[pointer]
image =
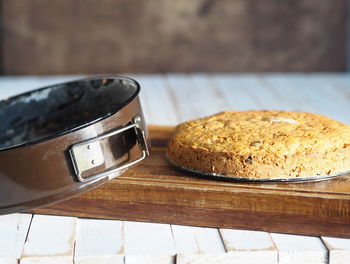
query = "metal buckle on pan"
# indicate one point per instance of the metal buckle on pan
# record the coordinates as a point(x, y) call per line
point(88, 154)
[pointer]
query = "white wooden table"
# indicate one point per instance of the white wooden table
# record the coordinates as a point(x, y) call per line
point(168, 100)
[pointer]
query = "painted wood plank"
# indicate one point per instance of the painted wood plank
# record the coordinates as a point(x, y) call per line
point(10, 85)
point(50, 240)
point(148, 243)
point(324, 96)
point(160, 108)
point(13, 231)
point(287, 91)
point(199, 245)
point(339, 250)
point(257, 88)
point(342, 79)
point(194, 96)
point(99, 242)
point(182, 95)
point(246, 246)
point(317, 94)
point(338, 93)
point(343, 84)
point(300, 249)
point(237, 91)
point(210, 99)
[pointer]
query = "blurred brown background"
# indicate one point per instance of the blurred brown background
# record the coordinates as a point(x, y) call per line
point(146, 36)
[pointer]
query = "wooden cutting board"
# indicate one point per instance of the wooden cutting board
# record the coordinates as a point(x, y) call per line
point(153, 191)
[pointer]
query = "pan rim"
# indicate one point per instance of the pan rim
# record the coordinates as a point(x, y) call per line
point(81, 125)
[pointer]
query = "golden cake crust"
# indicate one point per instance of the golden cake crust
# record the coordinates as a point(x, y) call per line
point(262, 145)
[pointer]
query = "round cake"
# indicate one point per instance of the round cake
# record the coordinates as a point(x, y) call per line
point(262, 145)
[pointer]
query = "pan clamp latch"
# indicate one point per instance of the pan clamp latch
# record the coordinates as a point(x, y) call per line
point(88, 154)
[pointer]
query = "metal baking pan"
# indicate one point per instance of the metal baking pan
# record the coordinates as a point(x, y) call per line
point(65, 139)
point(221, 177)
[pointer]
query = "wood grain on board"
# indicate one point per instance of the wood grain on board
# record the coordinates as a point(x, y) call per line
point(156, 192)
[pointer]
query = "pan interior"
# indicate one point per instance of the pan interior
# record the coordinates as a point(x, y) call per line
point(60, 108)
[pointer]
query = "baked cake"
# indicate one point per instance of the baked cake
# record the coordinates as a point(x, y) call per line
point(262, 145)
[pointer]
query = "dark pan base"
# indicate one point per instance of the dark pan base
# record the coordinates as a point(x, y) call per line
point(221, 177)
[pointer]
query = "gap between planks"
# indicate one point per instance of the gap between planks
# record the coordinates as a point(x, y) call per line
point(50, 240)
point(13, 231)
